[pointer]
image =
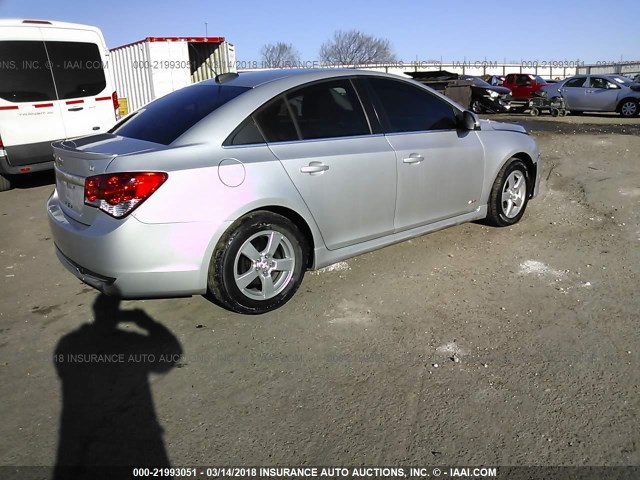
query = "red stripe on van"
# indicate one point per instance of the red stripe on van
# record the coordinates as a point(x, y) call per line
point(10, 107)
point(43, 105)
point(102, 98)
point(73, 102)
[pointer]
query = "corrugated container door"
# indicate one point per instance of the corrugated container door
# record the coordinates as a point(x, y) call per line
point(169, 66)
point(132, 74)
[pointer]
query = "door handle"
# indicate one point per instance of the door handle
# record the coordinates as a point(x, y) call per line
point(413, 158)
point(314, 167)
point(76, 109)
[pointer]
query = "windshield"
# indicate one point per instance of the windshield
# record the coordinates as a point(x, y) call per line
point(623, 80)
point(477, 81)
point(540, 80)
point(165, 119)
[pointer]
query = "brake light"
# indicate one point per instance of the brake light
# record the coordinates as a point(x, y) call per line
point(1, 144)
point(116, 105)
point(118, 194)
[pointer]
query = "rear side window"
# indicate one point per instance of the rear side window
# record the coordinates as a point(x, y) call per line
point(276, 123)
point(328, 110)
point(165, 119)
point(321, 110)
point(24, 76)
point(576, 82)
point(411, 109)
point(77, 69)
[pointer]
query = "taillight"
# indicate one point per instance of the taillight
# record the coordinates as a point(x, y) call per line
point(116, 104)
point(1, 144)
point(118, 194)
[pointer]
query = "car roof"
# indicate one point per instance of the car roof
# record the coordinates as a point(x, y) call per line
point(252, 79)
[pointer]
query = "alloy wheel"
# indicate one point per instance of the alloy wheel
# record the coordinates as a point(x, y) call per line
point(264, 265)
point(514, 193)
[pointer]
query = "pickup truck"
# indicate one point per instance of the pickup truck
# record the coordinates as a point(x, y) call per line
point(523, 86)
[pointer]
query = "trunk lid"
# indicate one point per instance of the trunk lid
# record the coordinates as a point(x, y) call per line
point(75, 160)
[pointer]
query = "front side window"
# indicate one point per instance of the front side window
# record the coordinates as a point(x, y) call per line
point(24, 72)
point(165, 119)
point(408, 108)
point(599, 82)
point(77, 69)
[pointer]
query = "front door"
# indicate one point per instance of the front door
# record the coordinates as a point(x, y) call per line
point(602, 94)
point(440, 169)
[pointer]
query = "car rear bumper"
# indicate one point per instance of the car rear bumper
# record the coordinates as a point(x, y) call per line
point(131, 259)
point(31, 157)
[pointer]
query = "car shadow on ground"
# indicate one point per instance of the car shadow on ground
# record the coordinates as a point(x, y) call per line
point(108, 416)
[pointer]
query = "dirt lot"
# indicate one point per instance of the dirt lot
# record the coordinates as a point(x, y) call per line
point(470, 346)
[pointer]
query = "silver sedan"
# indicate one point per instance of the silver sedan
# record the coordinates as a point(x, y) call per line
point(236, 187)
point(597, 93)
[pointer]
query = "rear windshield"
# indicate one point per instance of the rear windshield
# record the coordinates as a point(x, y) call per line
point(24, 76)
point(77, 69)
point(27, 74)
point(165, 119)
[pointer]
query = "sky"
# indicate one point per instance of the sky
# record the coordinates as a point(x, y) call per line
point(423, 30)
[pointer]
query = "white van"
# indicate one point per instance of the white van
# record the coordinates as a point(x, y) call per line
point(55, 84)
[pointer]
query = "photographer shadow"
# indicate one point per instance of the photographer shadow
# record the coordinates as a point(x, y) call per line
point(108, 417)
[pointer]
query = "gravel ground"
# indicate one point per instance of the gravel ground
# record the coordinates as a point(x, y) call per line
point(470, 346)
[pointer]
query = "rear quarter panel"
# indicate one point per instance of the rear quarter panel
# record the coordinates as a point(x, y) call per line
point(215, 186)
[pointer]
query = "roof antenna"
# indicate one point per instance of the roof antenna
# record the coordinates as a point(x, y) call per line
point(226, 77)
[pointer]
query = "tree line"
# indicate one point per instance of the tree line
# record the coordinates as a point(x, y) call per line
point(346, 47)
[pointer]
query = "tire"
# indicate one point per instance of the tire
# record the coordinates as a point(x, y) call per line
point(555, 112)
point(534, 112)
point(476, 107)
point(506, 188)
point(629, 108)
point(5, 183)
point(244, 274)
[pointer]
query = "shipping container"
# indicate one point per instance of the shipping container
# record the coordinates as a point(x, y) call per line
point(155, 66)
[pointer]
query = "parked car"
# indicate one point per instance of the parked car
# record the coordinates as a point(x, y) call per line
point(54, 84)
point(488, 98)
point(597, 93)
point(236, 187)
point(483, 97)
point(523, 86)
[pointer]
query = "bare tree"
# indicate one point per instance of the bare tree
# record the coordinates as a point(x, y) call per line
point(279, 55)
point(353, 47)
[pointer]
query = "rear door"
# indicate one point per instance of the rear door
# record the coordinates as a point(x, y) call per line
point(30, 115)
point(78, 60)
point(574, 92)
point(345, 175)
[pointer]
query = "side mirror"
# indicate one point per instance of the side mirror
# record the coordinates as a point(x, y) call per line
point(470, 121)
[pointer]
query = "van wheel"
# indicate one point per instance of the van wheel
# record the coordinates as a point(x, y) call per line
point(258, 264)
point(509, 194)
point(5, 183)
